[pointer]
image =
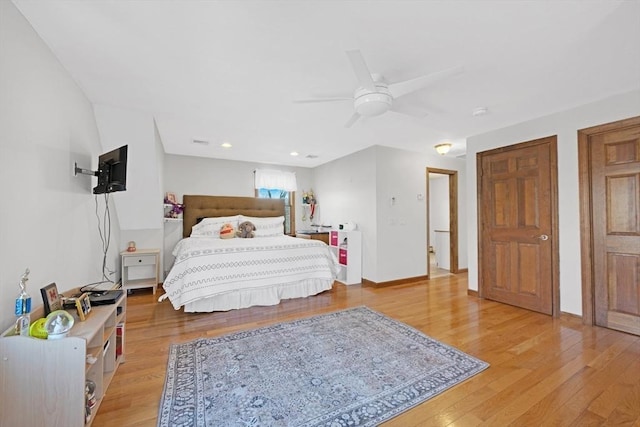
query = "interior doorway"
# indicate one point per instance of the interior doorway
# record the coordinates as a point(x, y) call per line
point(442, 231)
point(609, 157)
point(518, 225)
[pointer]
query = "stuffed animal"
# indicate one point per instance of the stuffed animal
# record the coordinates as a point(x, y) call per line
point(246, 229)
point(227, 231)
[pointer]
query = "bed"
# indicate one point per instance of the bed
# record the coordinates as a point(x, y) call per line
point(214, 274)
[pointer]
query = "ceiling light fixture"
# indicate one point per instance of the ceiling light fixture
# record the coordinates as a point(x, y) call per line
point(443, 148)
point(293, 153)
point(372, 104)
point(226, 145)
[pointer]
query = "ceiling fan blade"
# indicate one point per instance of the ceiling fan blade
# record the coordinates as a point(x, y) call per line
point(360, 68)
point(354, 118)
point(309, 101)
point(402, 88)
point(409, 111)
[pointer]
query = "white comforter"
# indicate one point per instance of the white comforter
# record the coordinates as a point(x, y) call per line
point(206, 268)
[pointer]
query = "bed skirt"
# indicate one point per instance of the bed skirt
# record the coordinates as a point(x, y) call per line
point(272, 295)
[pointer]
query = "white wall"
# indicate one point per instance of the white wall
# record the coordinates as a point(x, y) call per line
point(346, 191)
point(48, 215)
point(139, 208)
point(438, 208)
point(565, 125)
point(197, 175)
point(359, 188)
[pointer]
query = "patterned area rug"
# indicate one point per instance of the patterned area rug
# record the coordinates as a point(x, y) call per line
point(354, 367)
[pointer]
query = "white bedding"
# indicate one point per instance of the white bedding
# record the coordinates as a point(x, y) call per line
point(212, 274)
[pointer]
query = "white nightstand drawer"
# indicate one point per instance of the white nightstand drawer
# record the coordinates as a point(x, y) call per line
point(130, 261)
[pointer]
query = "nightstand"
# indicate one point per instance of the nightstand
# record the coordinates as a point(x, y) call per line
point(141, 269)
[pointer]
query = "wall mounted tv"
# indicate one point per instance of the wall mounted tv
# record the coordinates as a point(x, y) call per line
point(112, 171)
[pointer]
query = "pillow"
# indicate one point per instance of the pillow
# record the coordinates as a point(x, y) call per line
point(266, 227)
point(210, 227)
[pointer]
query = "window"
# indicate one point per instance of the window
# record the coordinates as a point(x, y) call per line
point(289, 208)
point(275, 184)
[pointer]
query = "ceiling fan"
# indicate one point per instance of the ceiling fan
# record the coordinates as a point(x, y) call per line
point(375, 95)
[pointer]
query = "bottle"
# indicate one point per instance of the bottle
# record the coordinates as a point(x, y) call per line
point(23, 307)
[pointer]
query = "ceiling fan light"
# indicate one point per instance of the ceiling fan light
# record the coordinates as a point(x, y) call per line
point(373, 104)
point(443, 148)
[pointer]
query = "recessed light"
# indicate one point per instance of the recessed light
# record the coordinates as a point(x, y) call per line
point(226, 145)
point(294, 153)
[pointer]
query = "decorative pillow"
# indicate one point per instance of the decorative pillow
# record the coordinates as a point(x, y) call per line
point(210, 227)
point(227, 231)
point(266, 227)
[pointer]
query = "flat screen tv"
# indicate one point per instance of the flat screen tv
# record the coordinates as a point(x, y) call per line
point(112, 171)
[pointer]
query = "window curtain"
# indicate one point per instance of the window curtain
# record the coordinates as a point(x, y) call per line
point(274, 179)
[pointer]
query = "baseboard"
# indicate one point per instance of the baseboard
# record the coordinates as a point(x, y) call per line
point(369, 283)
point(472, 293)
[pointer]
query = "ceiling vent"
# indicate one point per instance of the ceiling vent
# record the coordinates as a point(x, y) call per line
point(200, 141)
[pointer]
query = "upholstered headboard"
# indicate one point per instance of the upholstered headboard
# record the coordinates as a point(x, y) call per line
point(212, 206)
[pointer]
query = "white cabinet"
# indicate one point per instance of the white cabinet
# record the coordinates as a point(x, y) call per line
point(42, 382)
point(141, 269)
point(347, 246)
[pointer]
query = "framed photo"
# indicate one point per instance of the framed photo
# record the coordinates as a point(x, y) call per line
point(83, 305)
point(171, 198)
point(51, 298)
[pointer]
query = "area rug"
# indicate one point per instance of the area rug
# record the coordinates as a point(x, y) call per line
point(354, 367)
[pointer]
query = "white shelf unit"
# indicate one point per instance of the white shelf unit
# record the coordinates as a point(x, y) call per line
point(167, 209)
point(42, 382)
point(347, 247)
point(141, 269)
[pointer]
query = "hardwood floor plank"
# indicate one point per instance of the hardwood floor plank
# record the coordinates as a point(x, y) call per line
point(543, 371)
point(575, 407)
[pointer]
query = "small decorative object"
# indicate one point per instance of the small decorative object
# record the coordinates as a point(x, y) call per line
point(83, 305)
point(172, 208)
point(131, 247)
point(51, 298)
point(312, 202)
point(90, 393)
point(246, 230)
point(349, 226)
point(37, 329)
point(58, 324)
point(23, 307)
point(227, 231)
point(170, 198)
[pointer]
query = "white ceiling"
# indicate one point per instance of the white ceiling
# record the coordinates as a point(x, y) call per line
point(229, 70)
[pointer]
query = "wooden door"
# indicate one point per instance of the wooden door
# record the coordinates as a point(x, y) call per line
point(615, 196)
point(518, 224)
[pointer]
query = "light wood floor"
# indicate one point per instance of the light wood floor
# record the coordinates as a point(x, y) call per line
point(544, 371)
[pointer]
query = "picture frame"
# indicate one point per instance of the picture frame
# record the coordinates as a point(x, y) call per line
point(51, 299)
point(171, 198)
point(83, 306)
